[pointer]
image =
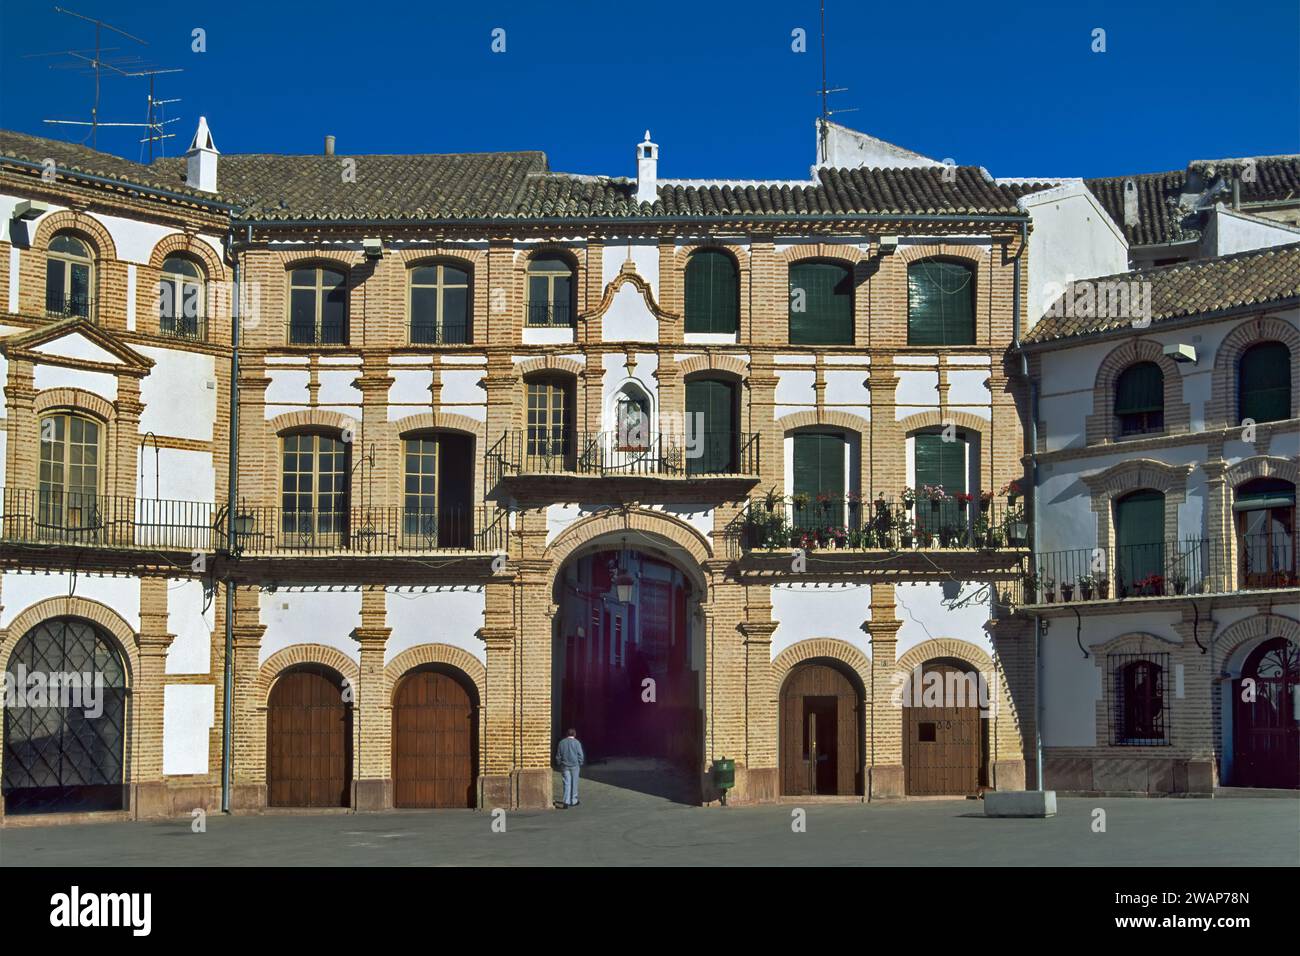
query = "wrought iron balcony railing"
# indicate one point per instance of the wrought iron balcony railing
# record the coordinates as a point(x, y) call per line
point(66, 306)
point(550, 314)
point(430, 332)
point(115, 522)
point(612, 454)
point(193, 328)
point(885, 524)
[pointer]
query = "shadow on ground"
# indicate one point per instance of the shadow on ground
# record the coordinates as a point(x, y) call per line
point(630, 781)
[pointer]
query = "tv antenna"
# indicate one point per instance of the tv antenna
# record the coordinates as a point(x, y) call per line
point(94, 61)
point(825, 91)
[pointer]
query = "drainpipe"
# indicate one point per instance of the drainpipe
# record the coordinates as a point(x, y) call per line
point(1033, 497)
point(232, 478)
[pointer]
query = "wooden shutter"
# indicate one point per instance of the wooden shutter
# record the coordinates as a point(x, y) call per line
point(826, 293)
point(940, 303)
point(715, 401)
point(1139, 536)
point(940, 462)
point(1140, 388)
point(1264, 383)
point(712, 293)
point(819, 469)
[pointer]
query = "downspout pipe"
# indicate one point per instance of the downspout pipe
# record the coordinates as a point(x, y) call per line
point(1033, 493)
point(232, 492)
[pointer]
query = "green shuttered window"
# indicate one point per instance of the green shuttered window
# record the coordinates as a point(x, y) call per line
point(821, 304)
point(711, 403)
point(1139, 537)
point(940, 462)
point(940, 303)
point(819, 470)
point(1140, 399)
point(712, 293)
point(1264, 383)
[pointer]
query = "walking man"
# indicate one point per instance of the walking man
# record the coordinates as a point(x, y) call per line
point(570, 757)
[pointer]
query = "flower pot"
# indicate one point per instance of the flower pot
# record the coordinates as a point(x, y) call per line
point(1050, 596)
point(1067, 592)
point(1103, 589)
point(1086, 591)
point(907, 540)
point(1180, 588)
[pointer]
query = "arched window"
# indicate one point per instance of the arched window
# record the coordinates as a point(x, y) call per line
point(940, 303)
point(69, 277)
point(181, 307)
point(712, 292)
point(440, 305)
point(1138, 710)
point(549, 443)
point(550, 290)
point(1140, 543)
point(821, 304)
point(318, 306)
point(69, 471)
point(1264, 383)
point(631, 419)
point(314, 488)
point(1265, 510)
point(1140, 400)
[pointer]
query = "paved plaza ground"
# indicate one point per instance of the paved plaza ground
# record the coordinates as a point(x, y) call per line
point(619, 826)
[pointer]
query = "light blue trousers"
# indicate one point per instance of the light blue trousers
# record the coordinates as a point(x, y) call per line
point(570, 775)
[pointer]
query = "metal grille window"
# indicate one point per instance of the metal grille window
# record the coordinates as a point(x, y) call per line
point(314, 485)
point(318, 307)
point(65, 752)
point(1140, 400)
point(548, 419)
point(440, 305)
point(940, 303)
point(1264, 383)
point(1137, 696)
point(550, 290)
point(69, 471)
point(712, 292)
point(181, 307)
point(69, 277)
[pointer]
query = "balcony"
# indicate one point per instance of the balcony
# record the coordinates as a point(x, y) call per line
point(191, 328)
point(1167, 569)
point(431, 332)
point(62, 520)
point(888, 533)
point(729, 463)
point(67, 306)
point(552, 315)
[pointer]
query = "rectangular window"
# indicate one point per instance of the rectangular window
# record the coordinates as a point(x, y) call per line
point(821, 304)
point(313, 489)
point(818, 459)
point(1136, 699)
point(549, 442)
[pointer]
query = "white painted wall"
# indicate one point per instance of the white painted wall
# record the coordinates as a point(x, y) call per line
point(188, 714)
point(803, 612)
point(310, 617)
point(179, 394)
point(451, 616)
point(23, 589)
point(191, 650)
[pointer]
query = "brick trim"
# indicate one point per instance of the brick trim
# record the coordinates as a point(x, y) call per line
point(190, 245)
point(440, 421)
point(94, 612)
point(627, 273)
point(433, 653)
point(309, 418)
point(87, 225)
point(550, 363)
point(294, 655)
point(847, 253)
point(975, 256)
point(919, 421)
point(1252, 630)
point(74, 399)
point(1100, 425)
point(1135, 475)
point(664, 526)
point(823, 648)
point(821, 417)
point(945, 647)
point(1221, 409)
point(713, 362)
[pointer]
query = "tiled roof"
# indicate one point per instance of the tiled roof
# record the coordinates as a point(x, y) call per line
point(1190, 288)
point(74, 159)
point(1162, 220)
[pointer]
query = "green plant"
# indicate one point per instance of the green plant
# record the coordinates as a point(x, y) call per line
point(801, 500)
point(771, 499)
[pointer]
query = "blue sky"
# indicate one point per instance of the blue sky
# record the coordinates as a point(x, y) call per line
point(718, 84)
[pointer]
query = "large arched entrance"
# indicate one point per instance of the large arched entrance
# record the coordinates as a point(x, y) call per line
point(65, 722)
point(821, 720)
point(945, 738)
point(435, 738)
point(629, 659)
point(1266, 718)
point(309, 739)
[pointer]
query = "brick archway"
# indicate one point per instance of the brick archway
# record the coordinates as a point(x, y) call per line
point(433, 653)
point(99, 614)
point(1221, 409)
point(1136, 474)
point(1100, 425)
point(632, 524)
point(823, 648)
point(294, 655)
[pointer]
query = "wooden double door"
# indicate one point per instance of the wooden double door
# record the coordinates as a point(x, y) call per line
point(1266, 722)
point(309, 740)
point(435, 740)
point(944, 747)
point(821, 732)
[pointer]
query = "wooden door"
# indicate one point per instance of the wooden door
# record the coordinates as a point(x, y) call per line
point(821, 732)
point(308, 741)
point(1266, 745)
point(713, 408)
point(435, 742)
point(942, 746)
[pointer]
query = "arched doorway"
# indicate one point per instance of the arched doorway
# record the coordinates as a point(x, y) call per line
point(66, 719)
point(308, 739)
point(821, 720)
point(1266, 718)
point(629, 658)
point(435, 739)
point(945, 739)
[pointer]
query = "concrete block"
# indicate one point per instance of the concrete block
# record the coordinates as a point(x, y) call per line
point(1020, 803)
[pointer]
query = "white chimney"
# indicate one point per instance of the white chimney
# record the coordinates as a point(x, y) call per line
point(1130, 203)
point(647, 170)
point(201, 160)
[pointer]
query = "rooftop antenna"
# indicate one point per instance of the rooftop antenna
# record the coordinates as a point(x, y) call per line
point(825, 92)
point(98, 63)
